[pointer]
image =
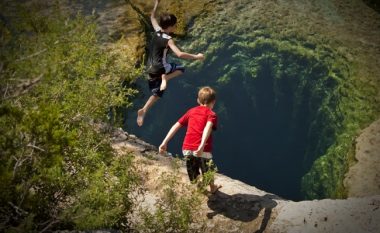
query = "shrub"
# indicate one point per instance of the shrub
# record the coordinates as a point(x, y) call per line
point(57, 167)
point(177, 210)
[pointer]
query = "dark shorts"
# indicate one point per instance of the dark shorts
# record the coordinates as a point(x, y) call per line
point(171, 67)
point(195, 165)
point(154, 84)
point(155, 77)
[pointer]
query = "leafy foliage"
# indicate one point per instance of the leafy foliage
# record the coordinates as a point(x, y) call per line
point(207, 178)
point(176, 210)
point(57, 166)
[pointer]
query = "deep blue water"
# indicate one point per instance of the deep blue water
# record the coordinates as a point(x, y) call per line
point(261, 145)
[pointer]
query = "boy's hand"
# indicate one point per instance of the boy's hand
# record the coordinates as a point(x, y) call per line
point(200, 56)
point(199, 152)
point(162, 148)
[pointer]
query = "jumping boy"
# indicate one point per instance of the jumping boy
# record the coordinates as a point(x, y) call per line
point(159, 70)
point(197, 145)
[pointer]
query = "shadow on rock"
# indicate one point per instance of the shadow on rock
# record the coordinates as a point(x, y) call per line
point(242, 207)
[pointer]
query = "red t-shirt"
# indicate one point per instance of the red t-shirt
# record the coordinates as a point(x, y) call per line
point(195, 119)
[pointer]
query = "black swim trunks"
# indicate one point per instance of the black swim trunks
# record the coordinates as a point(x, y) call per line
point(195, 165)
point(154, 83)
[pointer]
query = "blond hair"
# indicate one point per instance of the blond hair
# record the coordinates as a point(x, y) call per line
point(206, 95)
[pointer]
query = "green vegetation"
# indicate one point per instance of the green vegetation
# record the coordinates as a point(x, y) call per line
point(57, 167)
point(205, 179)
point(177, 210)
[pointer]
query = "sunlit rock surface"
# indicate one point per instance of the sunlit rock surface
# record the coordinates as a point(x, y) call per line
point(363, 178)
point(238, 207)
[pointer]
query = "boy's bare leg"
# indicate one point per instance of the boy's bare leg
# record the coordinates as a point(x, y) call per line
point(164, 82)
point(142, 111)
point(167, 77)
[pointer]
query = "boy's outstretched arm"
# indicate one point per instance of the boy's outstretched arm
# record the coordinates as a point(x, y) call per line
point(153, 16)
point(205, 135)
point(184, 55)
point(164, 145)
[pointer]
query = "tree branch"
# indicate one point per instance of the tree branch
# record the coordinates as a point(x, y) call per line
point(32, 55)
point(19, 211)
point(49, 226)
point(22, 88)
point(35, 147)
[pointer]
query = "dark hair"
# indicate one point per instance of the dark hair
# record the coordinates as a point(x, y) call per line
point(167, 20)
point(206, 95)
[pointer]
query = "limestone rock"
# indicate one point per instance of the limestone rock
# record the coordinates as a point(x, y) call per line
point(363, 178)
point(238, 207)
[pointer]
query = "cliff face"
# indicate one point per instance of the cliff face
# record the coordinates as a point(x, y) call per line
point(238, 207)
point(363, 178)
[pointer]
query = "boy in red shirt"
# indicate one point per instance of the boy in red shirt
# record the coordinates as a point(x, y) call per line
point(197, 145)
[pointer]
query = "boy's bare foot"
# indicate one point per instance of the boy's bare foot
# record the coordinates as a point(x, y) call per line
point(215, 188)
point(164, 83)
point(140, 117)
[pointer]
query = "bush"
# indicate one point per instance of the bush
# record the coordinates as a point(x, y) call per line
point(57, 167)
point(177, 210)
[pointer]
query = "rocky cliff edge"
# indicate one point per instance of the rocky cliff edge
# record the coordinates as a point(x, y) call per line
point(238, 207)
